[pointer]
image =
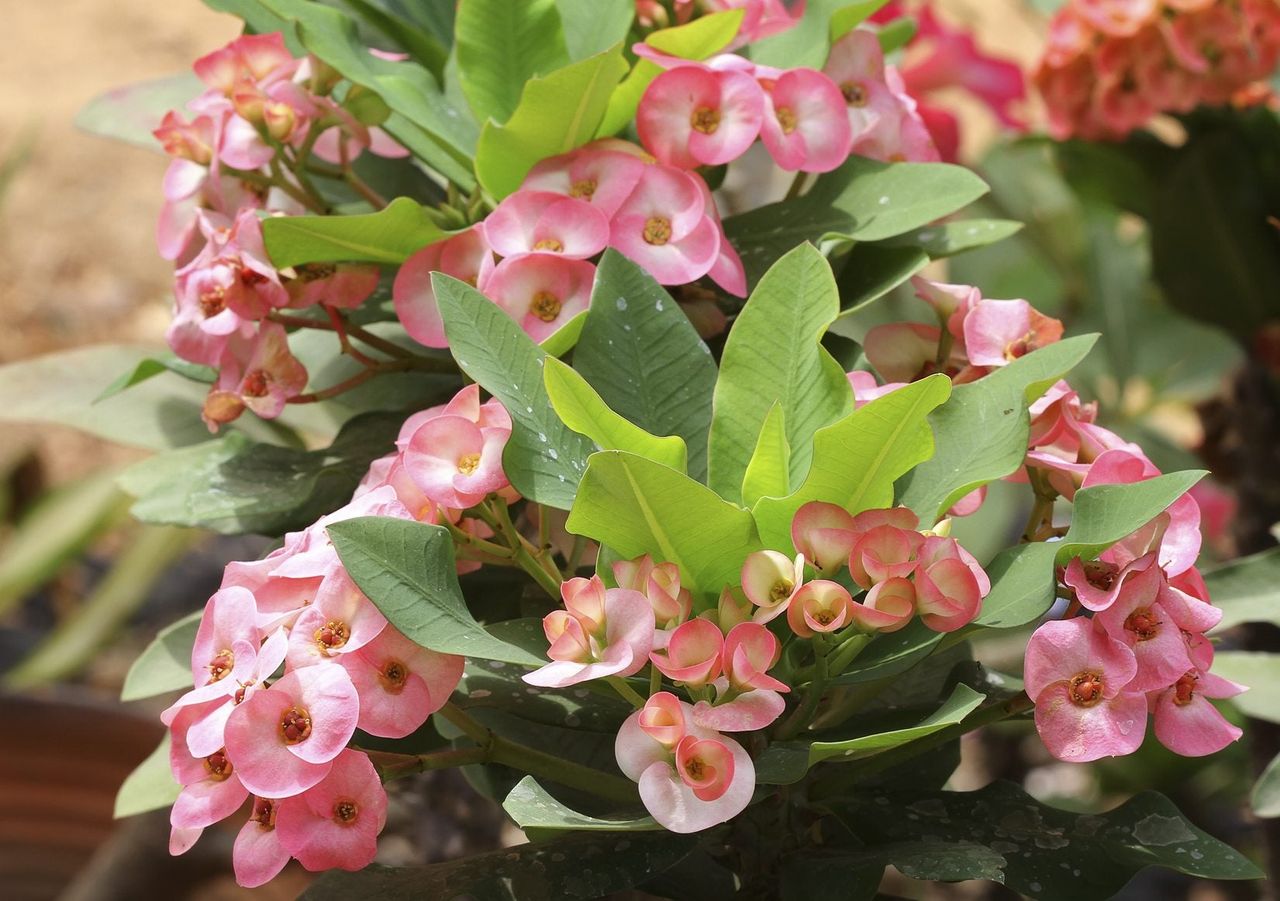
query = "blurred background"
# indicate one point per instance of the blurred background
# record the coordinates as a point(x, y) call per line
point(83, 589)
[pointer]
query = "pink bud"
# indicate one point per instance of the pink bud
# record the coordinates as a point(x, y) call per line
point(947, 596)
point(883, 552)
point(692, 655)
point(820, 606)
point(887, 607)
point(825, 534)
point(662, 719)
point(750, 650)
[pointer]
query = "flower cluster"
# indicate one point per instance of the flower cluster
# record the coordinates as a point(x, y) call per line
point(263, 115)
point(531, 255)
point(1111, 65)
point(760, 18)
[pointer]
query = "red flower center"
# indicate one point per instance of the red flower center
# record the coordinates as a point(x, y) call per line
point(1085, 688)
point(295, 725)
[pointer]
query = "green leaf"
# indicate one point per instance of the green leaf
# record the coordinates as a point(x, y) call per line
point(773, 356)
point(870, 272)
point(388, 236)
point(1104, 514)
point(847, 18)
point(841, 872)
point(407, 569)
point(1051, 854)
point(233, 485)
point(1260, 671)
point(557, 112)
point(503, 45)
point(1265, 797)
point(544, 458)
point(863, 200)
point(154, 366)
point(578, 866)
point(644, 357)
point(897, 34)
point(769, 470)
point(950, 238)
point(698, 39)
point(165, 664)
point(1023, 586)
point(636, 506)
point(787, 762)
point(1245, 589)
point(581, 409)
point(132, 112)
point(534, 808)
point(150, 786)
point(857, 460)
point(981, 432)
point(593, 26)
point(892, 653)
point(414, 39)
point(805, 43)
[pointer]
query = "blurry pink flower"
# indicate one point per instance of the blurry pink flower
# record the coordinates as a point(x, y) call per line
point(903, 351)
point(692, 655)
point(691, 778)
point(805, 124)
point(343, 285)
point(335, 823)
point(663, 226)
point(887, 607)
point(465, 256)
point(1077, 676)
point(1118, 18)
point(596, 174)
point(546, 222)
point(602, 632)
point(261, 374)
point(541, 291)
point(866, 388)
point(259, 58)
point(819, 606)
point(284, 739)
point(1186, 723)
point(694, 116)
point(400, 683)
point(997, 332)
point(770, 580)
point(761, 18)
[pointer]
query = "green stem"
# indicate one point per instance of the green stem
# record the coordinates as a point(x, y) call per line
point(803, 715)
point(393, 766)
point(628, 693)
point(539, 763)
point(501, 520)
point(797, 185)
point(655, 680)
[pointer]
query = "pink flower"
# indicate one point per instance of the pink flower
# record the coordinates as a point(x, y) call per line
point(595, 174)
point(1185, 722)
point(340, 621)
point(602, 632)
point(257, 58)
point(284, 739)
point(344, 285)
point(824, 534)
point(745, 712)
point(750, 651)
point(211, 788)
point(904, 351)
point(541, 291)
point(690, 777)
point(694, 115)
point(257, 856)
point(400, 683)
point(770, 580)
point(761, 18)
point(692, 655)
point(1139, 621)
point(1119, 18)
point(805, 124)
point(887, 607)
point(819, 606)
point(260, 374)
point(997, 332)
point(660, 583)
point(229, 616)
point(457, 461)
point(663, 226)
point(883, 552)
point(546, 222)
point(1078, 675)
point(335, 823)
point(465, 256)
point(947, 595)
point(866, 388)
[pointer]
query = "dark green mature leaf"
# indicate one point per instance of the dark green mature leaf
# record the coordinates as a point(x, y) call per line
point(132, 112)
point(592, 26)
point(416, 40)
point(501, 46)
point(846, 874)
point(407, 569)
point(950, 238)
point(1245, 589)
point(639, 507)
point(863, 200)
point(165, 664)
point(644, 357)
point(544, 458)
point(857, 460)
point(774, 356)
point(1023, 586)
point(534, 808)
point(388, 236)
point(233, 485)
point(1051, 854)
point(892, 653)
point(787, 762)
point(150, 786)
point(556, 113)
point(870, 271)
point(579, 866)
point(981, 432)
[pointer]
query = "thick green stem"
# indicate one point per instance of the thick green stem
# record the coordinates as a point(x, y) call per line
point(628, 693)
point(393, 766)
point(500, 518)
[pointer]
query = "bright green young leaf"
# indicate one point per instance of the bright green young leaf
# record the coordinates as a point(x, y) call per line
point(1103, 514)
point(501, 46)
point(636, 506)
point(534, 808)
point(1260, 671)
point(773, 356)
point(154, 366)
point(769, 470)
point(863, 200)
point(644, 357)
point(897, 34)
point(593, 26)
point(557, 112)
point(871, 271)
point(581, 409)
point(1245, 589)
point(165, 664)
point(150, 786)
point(388, 236)
point(950, 238)
point(787, 762)
point(857, 460)
point(846, 18)
point(1265, 797)
point(695, 40)
point(981, 432)
point(407, 569)
point(132, 112)
point(544, 458)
